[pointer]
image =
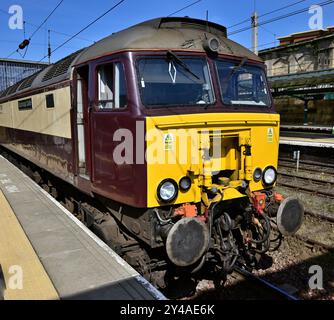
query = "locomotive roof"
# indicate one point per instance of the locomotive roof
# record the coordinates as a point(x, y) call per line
point(163, 33)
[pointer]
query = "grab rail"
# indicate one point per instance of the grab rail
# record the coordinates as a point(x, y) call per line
point(2, 284)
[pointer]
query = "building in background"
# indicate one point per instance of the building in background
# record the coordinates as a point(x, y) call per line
point(301, 74)
point(12, 71)
point(301, 52)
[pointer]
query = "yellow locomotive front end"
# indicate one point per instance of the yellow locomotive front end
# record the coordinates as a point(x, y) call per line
point(214, 151)
point(211, 174)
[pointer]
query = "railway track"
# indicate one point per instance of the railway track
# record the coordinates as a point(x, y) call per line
point(314, 243)
point(273, 290)
point(316, 235)
point(311, 242)
point(308, 166)
point(241, 284)
point(309, 162)
point(313, 185)
point(327, 217)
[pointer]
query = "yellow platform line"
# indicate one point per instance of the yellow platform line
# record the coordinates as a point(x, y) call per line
point(16, 255)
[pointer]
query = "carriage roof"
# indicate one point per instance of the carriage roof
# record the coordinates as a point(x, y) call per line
point(160, 34)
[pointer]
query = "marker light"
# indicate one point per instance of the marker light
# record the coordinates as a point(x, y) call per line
point(185, 184)
point(257, 175)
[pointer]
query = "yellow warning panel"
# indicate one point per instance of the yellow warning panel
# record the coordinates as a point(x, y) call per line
point(24, 274)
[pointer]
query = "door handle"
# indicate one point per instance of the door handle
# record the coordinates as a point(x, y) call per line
point(2, 284)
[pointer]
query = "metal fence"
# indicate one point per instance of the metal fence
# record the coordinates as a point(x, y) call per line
point(12, 71)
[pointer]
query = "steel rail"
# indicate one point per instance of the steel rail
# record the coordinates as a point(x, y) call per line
point(265, 283)
point(296, 176)
point(309, 241)
point(320, 169)
point(313, 163)
point(308, 189)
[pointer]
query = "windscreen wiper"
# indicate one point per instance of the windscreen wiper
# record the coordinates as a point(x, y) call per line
point(174, 57)
point(238, 67)
point(233, 72)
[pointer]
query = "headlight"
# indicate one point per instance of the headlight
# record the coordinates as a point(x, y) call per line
point(185, 184)
point(257, 175)
point(167, 190)
point(269, 176)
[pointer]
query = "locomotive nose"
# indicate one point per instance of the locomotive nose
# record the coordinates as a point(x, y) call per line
point(187, 242)
point(290, 216)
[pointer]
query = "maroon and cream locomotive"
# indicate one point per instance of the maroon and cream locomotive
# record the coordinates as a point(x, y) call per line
point(110, 131)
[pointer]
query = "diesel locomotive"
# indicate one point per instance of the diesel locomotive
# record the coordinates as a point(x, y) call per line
point(170, 126)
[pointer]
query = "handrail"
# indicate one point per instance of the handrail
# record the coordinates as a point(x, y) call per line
point(2, 284)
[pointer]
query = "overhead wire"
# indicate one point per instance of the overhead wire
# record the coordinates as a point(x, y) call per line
point(46, 19)
point(85, 28)
point(264, 44)
point(38, 27)
point(38, 44)
point(184, 8)
point(52, 30)
point(15, 51)
point(288, 15)
point(267, 13)
point(282, 8)
point(26, 42)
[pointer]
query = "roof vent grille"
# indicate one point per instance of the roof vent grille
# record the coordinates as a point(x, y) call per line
point(61, 67)
point(28, 81)
point(14, 88)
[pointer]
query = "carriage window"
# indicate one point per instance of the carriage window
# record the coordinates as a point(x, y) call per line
point(181, 81)
point(25, 104)
point(243, 85)
point(112, 87)
point(50, 103)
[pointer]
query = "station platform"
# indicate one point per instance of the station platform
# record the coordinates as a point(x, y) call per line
point(307, 139)
point(308, 128)
point(47, 254)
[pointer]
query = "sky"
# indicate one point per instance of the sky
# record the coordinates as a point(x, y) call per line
point(72, 15)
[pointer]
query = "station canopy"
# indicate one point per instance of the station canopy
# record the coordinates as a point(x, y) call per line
point(310, 83)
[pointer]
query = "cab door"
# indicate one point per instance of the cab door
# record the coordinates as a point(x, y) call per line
point(81, 126)
point(110, 118)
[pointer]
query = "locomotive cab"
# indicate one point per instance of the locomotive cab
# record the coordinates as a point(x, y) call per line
point(216, 170)
point(183, 131)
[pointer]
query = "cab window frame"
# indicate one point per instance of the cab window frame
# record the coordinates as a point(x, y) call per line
point(249, 107)
point(111, 64)
point(182, 55)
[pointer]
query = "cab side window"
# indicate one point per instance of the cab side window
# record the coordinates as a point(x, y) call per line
point(111, 87)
